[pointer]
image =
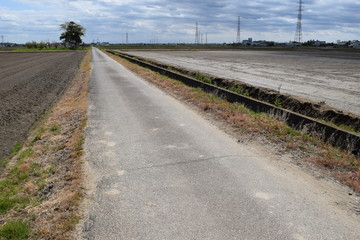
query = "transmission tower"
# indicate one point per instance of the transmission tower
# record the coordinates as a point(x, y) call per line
point(197, 34)
point(298, 33)
point(238, 31)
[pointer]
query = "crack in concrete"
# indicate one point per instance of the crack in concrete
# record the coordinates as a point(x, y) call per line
point(185, 162)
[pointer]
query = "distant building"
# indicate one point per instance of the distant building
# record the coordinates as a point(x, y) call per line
point(319, 43)
point(260, 43)
point(355, 44)
point(294, 44)
point(248, 42)
point(341, 43)
point(8, 44)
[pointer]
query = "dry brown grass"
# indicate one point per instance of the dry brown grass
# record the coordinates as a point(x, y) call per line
point(248, 125)
point(53, 172)
point(58, 215)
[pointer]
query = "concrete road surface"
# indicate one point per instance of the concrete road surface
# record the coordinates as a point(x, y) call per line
point(162, 172)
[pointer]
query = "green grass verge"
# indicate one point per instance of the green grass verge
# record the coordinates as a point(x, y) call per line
point(13, 183)
point(17, 230)
point(15, 150)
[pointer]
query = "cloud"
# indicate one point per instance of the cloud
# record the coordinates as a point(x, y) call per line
point(174, 21)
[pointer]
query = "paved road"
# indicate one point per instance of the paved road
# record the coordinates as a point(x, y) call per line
point(162, 172)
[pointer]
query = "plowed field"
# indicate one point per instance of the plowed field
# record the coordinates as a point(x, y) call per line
point(331, 77)
point(29, 84)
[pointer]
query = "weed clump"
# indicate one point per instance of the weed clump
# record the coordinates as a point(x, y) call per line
point(203, 78)
point(17, 230)
point(55, 128)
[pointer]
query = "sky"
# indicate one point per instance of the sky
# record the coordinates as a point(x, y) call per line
point(174, 21)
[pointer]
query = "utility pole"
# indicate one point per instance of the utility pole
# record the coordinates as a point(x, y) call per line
point(127, 38)
point(298, 33)
point(2, 40)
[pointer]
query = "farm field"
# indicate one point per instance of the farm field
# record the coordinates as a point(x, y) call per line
point(29, 84)
point(332, 77)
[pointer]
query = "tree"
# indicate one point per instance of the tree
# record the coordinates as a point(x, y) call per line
point(29, 45)
point(32, 44)
point(41, 45)
point(309, 43)
point(72, 35)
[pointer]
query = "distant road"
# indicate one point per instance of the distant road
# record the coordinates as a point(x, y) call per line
point(160, 171)
point(331, 77)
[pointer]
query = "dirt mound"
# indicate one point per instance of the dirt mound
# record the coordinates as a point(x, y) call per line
point(30, 82)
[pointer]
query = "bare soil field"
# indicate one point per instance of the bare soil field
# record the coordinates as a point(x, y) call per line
point(29, 84)
point(330, 77)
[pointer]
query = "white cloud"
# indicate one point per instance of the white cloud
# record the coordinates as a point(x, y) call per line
point(171, 20)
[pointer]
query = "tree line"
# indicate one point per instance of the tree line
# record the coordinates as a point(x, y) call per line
point(42, 45)
point(71, 38)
